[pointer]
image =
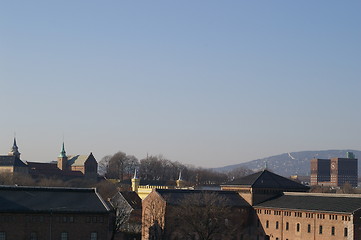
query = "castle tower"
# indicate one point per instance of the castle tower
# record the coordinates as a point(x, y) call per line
point(135, 182)
point(62, 159)
point(180, 182)
point(14, 150)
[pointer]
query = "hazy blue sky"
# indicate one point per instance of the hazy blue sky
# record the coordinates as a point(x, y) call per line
point(209, 83)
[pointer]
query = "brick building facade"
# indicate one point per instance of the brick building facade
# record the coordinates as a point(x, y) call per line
point(334, 172)
point(53, 213)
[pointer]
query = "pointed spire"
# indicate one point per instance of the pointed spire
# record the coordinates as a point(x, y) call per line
point(180, 175)
point(62, 153)
point(14, 149)
point(266, 165)
point(135, 174)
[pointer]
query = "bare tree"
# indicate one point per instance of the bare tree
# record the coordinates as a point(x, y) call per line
point(204, 216)
point(103, 165)
point(120, 165)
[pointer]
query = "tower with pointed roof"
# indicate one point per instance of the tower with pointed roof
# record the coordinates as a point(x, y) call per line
point(62, 159)
point(135, 181)
point(14, 150)
point(180, 182)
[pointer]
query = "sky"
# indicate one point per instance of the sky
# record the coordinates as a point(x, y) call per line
point(207, 83)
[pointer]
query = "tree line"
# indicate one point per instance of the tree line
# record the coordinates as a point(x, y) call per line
point(158, 168)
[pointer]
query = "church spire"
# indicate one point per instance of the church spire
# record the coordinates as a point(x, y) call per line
point(62, 159)
point(62, 153)
point(14, 150)
point(180, 175)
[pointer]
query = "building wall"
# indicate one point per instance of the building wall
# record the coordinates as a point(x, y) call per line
point(6, 169)
point(153, 215)
point(308, 225)
point(50, 226)
point(334, 172)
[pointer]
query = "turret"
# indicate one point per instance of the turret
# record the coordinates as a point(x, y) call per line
point(135, 182)
point(14, 150)
point(180, 182)
point(62, 159)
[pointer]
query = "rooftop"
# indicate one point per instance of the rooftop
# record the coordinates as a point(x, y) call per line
point(340, 203)
point(50, 199)
point(267, 179)
point(176, 196)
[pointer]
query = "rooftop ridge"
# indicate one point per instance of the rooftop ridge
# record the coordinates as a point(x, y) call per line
point(323, 194)
point(12, 187)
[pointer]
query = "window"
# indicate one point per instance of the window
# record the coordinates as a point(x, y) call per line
point(2, 236)
point(320, 230)
point(64, 236)
point(309, 228)
point(333, 231)
point(267, 224)
point(33, 236)
point(298, 227)
point(93, 236)
point(277, 225)
point(287, 226)
point(345, 233)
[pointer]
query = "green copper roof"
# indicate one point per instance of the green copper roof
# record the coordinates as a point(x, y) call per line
point(62, 153)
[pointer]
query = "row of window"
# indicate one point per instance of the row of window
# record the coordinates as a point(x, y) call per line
point(298, 228)
point(300, 214)
point(63, 236)
point(58, 219)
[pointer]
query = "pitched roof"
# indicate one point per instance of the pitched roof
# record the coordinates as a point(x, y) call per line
point(51, 169)
point(267, 179)
point(78, 160)
point(340, 203)
point(11, 161)
point(46, 199)
point(176, 196)
point(132, 198)
point(127, 197)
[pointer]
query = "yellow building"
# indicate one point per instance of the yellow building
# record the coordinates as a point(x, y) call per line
point(143, 189)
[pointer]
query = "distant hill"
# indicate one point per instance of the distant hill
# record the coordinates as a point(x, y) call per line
point(293, 163)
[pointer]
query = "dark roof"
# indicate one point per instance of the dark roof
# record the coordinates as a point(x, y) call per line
point(267, 179)
point(11, 161)
point(132, 198)
point(51, 170)
point(315, 202)
point(46, 199)
point(176, 196)
point(151, 182)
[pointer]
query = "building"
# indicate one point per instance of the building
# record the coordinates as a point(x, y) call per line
point(53, 213)
point(128, 208)
point(143, 188)
point(335, 172)
point(160, 210)
point(65, 167)
point(284, 210)
point(12, 163)
point(311, 216)
point(263, 185)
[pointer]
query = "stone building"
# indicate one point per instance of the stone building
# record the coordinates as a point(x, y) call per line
point(311, 216)
point(160, 210)
point(263, 185)
point(66, 166)
point(53, 213)
point(12, 163)
point(143, 188)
